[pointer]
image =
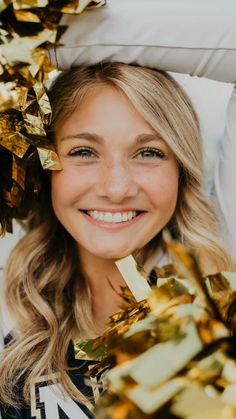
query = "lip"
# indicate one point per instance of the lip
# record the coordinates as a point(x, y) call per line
point(113, 226)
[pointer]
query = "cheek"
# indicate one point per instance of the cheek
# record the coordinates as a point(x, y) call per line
point(162, 187)
point(63, 187)
point(68, 188)
point(56, 187)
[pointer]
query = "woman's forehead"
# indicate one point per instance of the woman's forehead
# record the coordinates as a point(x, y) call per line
point(105, 110)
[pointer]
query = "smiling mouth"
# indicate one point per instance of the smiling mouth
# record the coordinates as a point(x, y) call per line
point(112, 217)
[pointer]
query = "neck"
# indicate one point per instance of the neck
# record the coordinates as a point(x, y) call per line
point(105, 282)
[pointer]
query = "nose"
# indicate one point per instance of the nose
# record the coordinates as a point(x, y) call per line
point(116, 182)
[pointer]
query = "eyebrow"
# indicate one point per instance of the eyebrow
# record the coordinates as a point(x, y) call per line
point(142, 138)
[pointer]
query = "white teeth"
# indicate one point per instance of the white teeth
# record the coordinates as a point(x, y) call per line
point(107, 217)
point(117, 217)
point(100, 216)
point(125, 216)
point(112, 217)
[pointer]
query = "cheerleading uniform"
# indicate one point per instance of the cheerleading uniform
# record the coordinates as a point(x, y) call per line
point(47, 399)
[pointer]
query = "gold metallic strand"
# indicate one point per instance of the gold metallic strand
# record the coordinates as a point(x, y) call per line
point(178, 346)
point(24, 106)
point(49, 159)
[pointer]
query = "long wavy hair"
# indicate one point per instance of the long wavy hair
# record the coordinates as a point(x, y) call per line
point(46, 293)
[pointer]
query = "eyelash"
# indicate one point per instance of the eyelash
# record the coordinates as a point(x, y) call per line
point(156, 153)
point(77, 151)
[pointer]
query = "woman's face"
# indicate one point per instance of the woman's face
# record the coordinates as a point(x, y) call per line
point(119, 183)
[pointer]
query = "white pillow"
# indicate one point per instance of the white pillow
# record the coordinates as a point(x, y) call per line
point(187, 36)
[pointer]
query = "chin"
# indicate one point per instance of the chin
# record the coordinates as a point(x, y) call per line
point(113, 255)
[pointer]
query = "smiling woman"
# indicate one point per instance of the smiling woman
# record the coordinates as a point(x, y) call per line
point(129, 140)
point(130, 146)
point(120, 169)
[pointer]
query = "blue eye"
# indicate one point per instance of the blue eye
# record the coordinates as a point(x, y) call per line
point(83, 153)
point(151, 153)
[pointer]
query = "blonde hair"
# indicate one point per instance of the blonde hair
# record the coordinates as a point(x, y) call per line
point(44, 284)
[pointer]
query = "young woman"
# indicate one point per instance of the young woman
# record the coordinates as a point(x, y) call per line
point(130, 147)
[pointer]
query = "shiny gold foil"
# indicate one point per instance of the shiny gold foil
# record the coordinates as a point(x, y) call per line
point(25, 111)
point(179, 358)
point(8, 96)
point(25, 16)
point(49, 159)
point(18, 172)
point(10, 137)
point(28, 4)
point(3, 5)
point(80, 5)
